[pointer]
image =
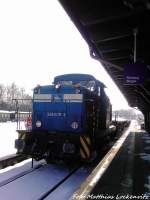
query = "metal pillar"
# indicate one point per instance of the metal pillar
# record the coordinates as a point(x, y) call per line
point(147, 121)
point(135, 31)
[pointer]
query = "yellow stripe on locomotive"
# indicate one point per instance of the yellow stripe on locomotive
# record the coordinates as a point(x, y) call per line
point(85, 146)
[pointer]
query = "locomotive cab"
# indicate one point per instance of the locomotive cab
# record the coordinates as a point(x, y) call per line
point(68, 119)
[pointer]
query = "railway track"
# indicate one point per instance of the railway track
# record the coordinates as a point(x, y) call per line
point(46, 194)
point(11, 160)
point(19, 175)
point(43, 181)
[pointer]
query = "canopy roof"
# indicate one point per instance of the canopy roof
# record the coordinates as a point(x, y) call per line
point(109, 27)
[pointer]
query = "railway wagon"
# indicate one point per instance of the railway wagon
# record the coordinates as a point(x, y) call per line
point(70, 118)
point(4, 116)
point(12, 116)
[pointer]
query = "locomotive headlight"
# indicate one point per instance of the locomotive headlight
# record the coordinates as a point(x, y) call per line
point(38, 124)
point(57, 86)
point(74, 125)
point(77, 91)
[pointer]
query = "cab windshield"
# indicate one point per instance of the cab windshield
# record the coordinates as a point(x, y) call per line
point(90, 85)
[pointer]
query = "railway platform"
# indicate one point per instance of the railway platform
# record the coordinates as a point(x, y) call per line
point(127, 176)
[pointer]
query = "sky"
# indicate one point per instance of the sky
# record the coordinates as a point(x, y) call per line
point(39, 41)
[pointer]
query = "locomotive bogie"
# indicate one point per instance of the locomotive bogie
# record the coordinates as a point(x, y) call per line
point(54, 146)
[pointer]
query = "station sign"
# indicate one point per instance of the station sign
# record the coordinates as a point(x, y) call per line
point(134, 74)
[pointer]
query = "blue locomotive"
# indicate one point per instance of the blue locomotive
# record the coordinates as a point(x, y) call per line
point(70, 118)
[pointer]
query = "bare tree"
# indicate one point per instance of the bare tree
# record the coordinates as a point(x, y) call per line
point(11, 92)
point(2, 92)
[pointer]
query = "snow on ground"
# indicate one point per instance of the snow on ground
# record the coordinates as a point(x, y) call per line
point(8, 135)
point(35, 184)
point(24, 166)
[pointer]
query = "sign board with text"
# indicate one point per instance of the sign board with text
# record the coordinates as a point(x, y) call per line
point(134, 74)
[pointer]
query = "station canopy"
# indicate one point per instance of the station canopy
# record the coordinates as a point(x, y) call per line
point(118, 35)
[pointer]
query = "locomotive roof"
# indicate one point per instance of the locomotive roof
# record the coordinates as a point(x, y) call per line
point(75, 78)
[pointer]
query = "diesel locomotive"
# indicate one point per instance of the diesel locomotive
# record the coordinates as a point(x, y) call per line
point(70, 118)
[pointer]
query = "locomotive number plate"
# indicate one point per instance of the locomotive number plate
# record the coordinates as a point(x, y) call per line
point(56, 114)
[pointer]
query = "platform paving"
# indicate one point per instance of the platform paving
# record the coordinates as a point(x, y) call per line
point(128, 176)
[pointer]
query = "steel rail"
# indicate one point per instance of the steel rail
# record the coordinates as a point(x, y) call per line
point(46, 194)
point(11, 159)
point(13, 178)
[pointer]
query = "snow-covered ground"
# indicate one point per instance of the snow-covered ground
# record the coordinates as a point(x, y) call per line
point(8, 135)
